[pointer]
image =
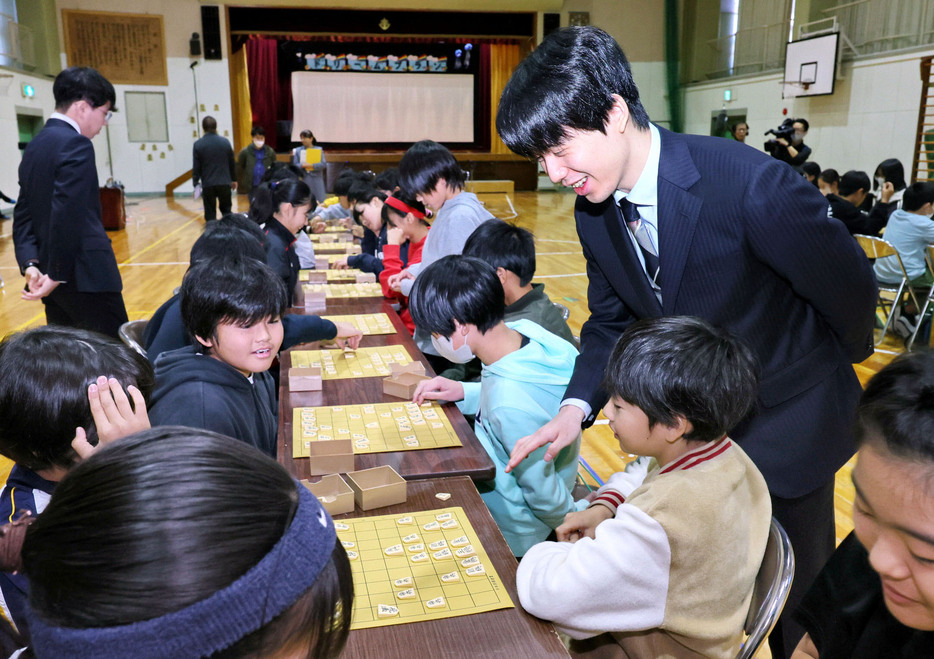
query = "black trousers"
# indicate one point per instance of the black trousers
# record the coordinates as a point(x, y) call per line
point(98, 312)
point(809, 522)
point(213, 196)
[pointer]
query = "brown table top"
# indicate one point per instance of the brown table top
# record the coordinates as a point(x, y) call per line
point(468, 460)
point(502, 633)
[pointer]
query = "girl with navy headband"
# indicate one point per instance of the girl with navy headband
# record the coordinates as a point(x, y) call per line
point(177, 542)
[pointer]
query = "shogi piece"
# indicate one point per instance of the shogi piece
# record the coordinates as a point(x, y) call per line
point(305, 378)
point(377, 487)
point(334, 494)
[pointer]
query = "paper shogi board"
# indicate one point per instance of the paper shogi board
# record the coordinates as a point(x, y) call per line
point(335, 248)
point(368, 323)
point(336, 229)
point(418, 566)
point(365, 363)
point(332, 291)
point(374, 428)
point(349, 274)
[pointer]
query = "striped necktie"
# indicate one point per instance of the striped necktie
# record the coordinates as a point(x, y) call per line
point(641, 233)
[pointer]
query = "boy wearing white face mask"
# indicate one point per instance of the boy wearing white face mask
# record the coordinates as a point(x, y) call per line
point(459, 300)
point(909, 230)
point(253, 161)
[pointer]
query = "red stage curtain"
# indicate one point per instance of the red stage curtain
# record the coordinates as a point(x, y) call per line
point(262, 68)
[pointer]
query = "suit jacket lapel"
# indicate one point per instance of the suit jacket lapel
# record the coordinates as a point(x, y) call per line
point(678, 211)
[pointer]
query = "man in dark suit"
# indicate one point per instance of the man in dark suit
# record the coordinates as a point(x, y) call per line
point(213, 167)
point(60, 242)
point(686, 225)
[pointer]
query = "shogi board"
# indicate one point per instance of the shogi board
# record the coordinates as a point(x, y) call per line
point(349, 274)
point(368, 323)
point(374, 427)
point(332, 258)
point(332, 291)
point(334, 248)
point(336, 229)
point(365, 363)
point(390, 570)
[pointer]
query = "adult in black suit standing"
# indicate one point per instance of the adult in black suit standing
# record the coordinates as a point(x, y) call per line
point(60, 242)
point(213, 167)
point(734, 237)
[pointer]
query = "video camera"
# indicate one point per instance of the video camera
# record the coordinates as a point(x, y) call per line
point(786, 130)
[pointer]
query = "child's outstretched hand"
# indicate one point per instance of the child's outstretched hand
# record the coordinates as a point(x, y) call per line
point(347, 335)
point(438, 388)
point(113, 416)
point(582, 523)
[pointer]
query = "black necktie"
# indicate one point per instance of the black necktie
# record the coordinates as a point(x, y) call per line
point(641, 234)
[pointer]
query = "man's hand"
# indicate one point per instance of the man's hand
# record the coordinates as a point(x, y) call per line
point(340, 265)
point(113, 415)
point(561, 431)
point(347, 335)
point(38, 285)
point(394, 236)
point(887, 191)
point(438, 388)
point(782, 141)
point(582, 523)
point(233, 186)
point(395, 281)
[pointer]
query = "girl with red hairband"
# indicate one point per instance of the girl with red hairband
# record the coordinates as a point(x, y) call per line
point(405, 219)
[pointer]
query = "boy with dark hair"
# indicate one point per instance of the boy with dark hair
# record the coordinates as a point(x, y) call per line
point(459, 299)
point(232, 308)
point(511, 250)
point(343, 209)
point(853, 190)
point(664, 560)
point(60, 377)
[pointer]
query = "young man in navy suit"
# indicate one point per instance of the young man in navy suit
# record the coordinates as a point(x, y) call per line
point(60, 242)
point(686, 225)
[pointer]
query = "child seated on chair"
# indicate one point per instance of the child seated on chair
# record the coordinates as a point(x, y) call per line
point(875, 596)
point(665, 560)
point(59, 388)
point(458, 300)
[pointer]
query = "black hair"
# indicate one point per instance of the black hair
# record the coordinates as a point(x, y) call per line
point(307, 133)
point(917, 195)
point(460, 288)
point(232, 235)
point(365, 196)
point(257, 130)
point(803, 122)
point(387, 179)
point(209, 124)
point(44, 378)
point(426, 163)
point(504, 245)
point(268, 197)
point(897, 408)
point(231, 291)
point(737, 125)
point(164, 519)
point(281, 171)
point(347, 179)
point(675, 366)
point(892, 170)
point(82, 83)
point(357, 190)
point(830, 176)
point(811, 169)
point(388, 212)
point(853, 181)
point(568, 82)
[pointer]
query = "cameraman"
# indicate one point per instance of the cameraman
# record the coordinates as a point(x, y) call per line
point(788, 144)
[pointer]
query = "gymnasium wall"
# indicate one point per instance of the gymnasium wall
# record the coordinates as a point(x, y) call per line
point(872, 114)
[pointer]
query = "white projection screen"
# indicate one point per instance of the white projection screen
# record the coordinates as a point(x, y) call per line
point(383, 107)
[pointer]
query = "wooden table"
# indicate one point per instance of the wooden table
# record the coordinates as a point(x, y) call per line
point(470, 459)
point(503, 633)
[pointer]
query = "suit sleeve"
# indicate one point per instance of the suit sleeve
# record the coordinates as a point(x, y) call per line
point(608, 318)
point(24, 237)
point(790, 232)
point(231, 164)
point(195, 165)
point(75, 173)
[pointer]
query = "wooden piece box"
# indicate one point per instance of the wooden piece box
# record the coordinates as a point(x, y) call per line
point(317, 277)
point(333, 486)
point(412, 367)
point(305, 378)
point(403, 385)
point(377, 487)
point(330, 456)
point(305, 297)
point(322, 263)
point(366, 278)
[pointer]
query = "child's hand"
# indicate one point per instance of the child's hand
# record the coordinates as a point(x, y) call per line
point(394, 236)
point(395, 281)
point(317, 225)
point(438, 388)
point(113, 416)
point(346, 222)
point(340, 265)
point(347, 335)
point(582, 523)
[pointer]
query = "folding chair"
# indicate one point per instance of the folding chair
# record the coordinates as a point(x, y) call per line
point(773, 583)
point(131, 333)
point(565, 312)
point(876, 248)
point(929, 262)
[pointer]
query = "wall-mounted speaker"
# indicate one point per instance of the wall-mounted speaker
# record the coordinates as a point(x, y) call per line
point(211, 29)
point(550, 23)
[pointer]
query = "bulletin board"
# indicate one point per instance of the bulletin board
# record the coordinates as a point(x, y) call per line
point(127, 49)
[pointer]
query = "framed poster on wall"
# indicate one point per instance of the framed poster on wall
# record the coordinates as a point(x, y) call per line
point(127, 49)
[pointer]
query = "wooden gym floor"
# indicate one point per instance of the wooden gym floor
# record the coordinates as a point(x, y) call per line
point(153, 255)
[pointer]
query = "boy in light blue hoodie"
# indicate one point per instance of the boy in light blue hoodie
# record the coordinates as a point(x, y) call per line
point(526, 369)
